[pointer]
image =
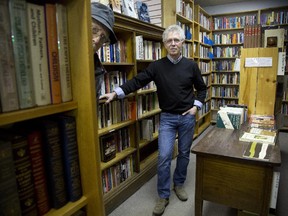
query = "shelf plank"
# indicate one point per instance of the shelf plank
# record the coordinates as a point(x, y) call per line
point(25, 114)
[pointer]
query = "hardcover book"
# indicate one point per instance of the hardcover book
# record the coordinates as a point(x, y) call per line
point(108, 147)
point(35, 144)
point(116, 5)
point(8, 85)
point(63, 48)
point(54, 163)
point(23, 170)
point(128, 8)
point(228, 120)
point(38, 50)
point(68, 134)
point(18, 18)
point(9, 199)
point(258, 151)
point(53, 53)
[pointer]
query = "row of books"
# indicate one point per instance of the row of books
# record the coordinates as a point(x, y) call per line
point(216, 103)
point(39, 166)
point(223, 91)
point(148, 127)
point(115, 112)
point(233, 38)
point(226, 52)
point(274, 18)
point(184, 9)
point(223, 65)
point(147, 50)
point(147, 103)
point(114, 53)
point(253, 36)
point(221, 78)
point(112, 80)
point(34, 64)
point(205, 67)
point(118, 173)
point(186, 28)
point(234, 22)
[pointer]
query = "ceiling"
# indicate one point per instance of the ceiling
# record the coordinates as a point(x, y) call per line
point(206, 3)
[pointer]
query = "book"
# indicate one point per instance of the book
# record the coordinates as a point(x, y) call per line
point(35, 144)
point(230, 117)
point(128, 8)
point(8, 85)
point(116, 5)
point(139, 47)
point(108, 147)
point(18, 19)
point(54, 163)
point(63, 49)
point(147, 129)
point(23, 170)
point(53, 53)
point(68, 134)
point(38, 51)
point(142, 11)
point(277, 35)
point(274, 190)
point(258, 151)
point(9, 199)
point(250, 137)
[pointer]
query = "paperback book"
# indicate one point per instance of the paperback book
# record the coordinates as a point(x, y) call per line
point(258, 151)
point(250, 137)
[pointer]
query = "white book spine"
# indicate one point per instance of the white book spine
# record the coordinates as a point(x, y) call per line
point(38, 53)
point(63, 47)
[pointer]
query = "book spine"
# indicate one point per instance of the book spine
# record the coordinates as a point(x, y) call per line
point(23, 170)
point(8, 86)
point(69, 145)
point(53, 54)
point(34, 138)
point(18, 18)
point(54, 164)
point(38, 51)
point(9, 199)
point(63, 48)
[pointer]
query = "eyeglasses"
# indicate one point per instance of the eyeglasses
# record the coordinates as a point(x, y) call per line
point(102, 38)
point(176, 41)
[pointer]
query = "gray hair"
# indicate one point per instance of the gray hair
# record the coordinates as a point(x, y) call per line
point(173, 28)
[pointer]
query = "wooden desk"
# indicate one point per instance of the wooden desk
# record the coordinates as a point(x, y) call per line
point(225, 177)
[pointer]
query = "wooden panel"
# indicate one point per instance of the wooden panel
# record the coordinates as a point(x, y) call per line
point(258, 84)
point(237, 185)
point(248, 79)
point(267, 80)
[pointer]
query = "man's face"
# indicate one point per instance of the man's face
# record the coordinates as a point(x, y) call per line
point(173, 44)
point(100, 36)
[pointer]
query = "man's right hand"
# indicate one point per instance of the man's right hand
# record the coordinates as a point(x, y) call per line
point(109, 97)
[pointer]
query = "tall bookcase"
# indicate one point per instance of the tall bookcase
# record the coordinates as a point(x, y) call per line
point(175, 12)
point(228, 37)
point(137, 161)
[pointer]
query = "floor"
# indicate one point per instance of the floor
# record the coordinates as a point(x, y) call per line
point(142, 202)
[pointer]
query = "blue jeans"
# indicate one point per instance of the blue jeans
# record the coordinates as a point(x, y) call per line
point(170, 124)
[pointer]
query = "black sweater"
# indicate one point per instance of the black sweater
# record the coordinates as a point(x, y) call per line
point(175, 84)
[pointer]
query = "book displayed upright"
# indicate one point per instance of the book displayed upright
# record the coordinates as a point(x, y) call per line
point(8, 85)
point(53, 53)
point(128, 8)
point(18, 18)
point(142, 11)
point(38, 51)
point(63, 49)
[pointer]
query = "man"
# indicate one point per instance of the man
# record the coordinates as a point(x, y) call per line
point(176, 78)
point(102, 34)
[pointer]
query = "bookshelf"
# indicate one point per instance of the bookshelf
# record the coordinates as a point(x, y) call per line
point(175, 12)
point(228, 37)
point(83, 107)
point(139, 155)
point(203, 54)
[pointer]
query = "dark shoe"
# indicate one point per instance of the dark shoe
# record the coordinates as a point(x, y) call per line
point(160, 207)
point(181, 193)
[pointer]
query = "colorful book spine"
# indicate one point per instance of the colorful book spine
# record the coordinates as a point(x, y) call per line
point(8, 85)
point(38, 52)
point(9, 199)
point(35, 144)
point(63, 48)
point(53, 53)
point(54, 163)
point(68, 134)
point(18, 18)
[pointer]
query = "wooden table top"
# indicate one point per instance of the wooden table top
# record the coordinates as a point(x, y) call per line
point(221, 142)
